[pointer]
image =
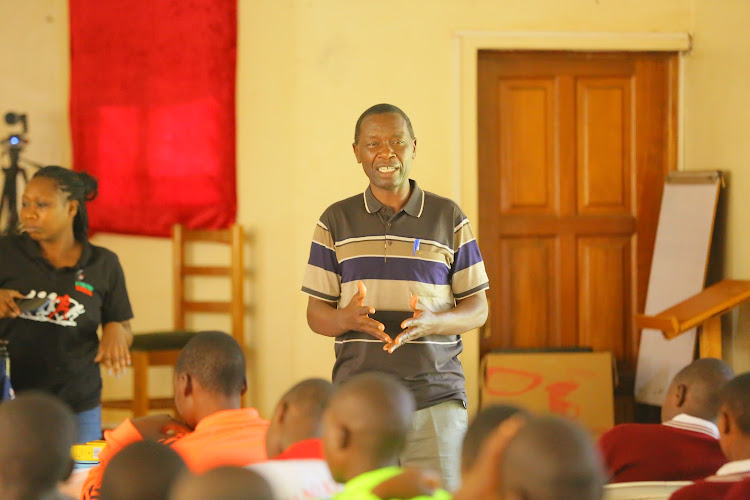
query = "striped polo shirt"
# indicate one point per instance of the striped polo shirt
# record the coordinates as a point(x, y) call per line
point(426, 249)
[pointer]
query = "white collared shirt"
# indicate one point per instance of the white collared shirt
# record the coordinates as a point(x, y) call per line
point(695, 424)
point(736, 467)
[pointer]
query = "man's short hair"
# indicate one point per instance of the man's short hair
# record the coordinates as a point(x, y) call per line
point(735, 397)
point(36, 433)
point(380, 412)
point(552, 458)
point(705, 378)
point(223, 483)
point(312, 394)
point(486, 421)
point(216, 361)
point(380, 109)
point(142, 470)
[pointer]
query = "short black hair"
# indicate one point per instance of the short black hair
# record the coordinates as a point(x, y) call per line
point(381, 410)
point(226, 482)
point(705, 378)
point(312, 394)
point(36, 433)
point(735, 396)
point(381, 109)
point(552, 457)
point(216, 361)
point(486, 421)
point(79, 186)
point(142, 470)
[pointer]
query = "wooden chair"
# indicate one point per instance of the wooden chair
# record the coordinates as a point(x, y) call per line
point(163, 348)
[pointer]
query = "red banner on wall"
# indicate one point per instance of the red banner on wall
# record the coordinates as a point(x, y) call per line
point(152, 110)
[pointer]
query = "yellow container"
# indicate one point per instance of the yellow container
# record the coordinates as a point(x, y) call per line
point(87, 451)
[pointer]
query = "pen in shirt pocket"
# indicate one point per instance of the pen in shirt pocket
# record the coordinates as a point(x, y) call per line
point(416, 247)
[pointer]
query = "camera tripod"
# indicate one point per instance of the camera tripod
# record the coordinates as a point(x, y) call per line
point(9, 198)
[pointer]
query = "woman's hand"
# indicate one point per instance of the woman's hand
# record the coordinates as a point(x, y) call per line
point(114, 352)
point(8, 306)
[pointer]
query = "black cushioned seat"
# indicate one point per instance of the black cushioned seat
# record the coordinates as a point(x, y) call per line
point(161, 341)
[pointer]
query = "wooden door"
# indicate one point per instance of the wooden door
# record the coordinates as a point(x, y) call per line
point(573, 150)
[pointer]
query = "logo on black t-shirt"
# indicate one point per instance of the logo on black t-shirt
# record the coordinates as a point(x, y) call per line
point(61, 310)
point(85, 288)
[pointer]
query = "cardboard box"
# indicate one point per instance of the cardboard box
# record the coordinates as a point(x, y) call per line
point(577, 385)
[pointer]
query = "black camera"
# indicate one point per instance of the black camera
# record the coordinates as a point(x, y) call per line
point(13, 145)
point(17, 140)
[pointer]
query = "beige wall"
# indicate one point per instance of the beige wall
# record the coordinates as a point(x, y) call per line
point(34, 74)
point(717, 135)
point(306, 70)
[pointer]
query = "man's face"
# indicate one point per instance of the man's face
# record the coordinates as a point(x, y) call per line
point(386, 150)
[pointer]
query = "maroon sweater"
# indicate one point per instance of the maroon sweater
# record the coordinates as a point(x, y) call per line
point(739, 490)
point(657, 452)
point(714, 488)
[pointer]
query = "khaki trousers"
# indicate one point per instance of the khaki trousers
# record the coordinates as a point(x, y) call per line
point(434, 441)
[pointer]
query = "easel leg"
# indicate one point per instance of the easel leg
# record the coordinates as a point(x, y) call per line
point(710, 338)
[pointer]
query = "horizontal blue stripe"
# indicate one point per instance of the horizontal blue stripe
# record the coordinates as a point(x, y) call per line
point(322, 296)
point(324, 258)
point(474, 290)
point(394, 268)
point(467, 256)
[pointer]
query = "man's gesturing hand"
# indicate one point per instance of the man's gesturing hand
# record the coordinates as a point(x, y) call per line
point(415, 327)
point(355, 316)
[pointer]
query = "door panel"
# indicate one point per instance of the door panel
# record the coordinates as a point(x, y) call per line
point(527, 170)
point(529, 290)
point(573, 149)
point(604, 270)
point(604, 160)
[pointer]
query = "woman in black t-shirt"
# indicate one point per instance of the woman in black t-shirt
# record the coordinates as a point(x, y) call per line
point(53, 343)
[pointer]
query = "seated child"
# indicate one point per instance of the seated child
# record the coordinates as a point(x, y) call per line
point(364, 430)
point(481, 427)
point(222, 483)
point(209, 382)
point(36, 434)
point(144, 470)
point(297, 469)
point(536, 458)
point(685, 445)
point(734, 437)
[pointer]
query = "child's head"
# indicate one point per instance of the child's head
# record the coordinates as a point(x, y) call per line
point(209, 374)
point(365, 425)
point(222, 483)
point(298, 415)
point(695, 389)
point(144, 470)
point(36, 433)
point(734, 418)
point(482, 426)
point(551, 458)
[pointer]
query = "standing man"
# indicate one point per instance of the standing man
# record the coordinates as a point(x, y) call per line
point(395, 276)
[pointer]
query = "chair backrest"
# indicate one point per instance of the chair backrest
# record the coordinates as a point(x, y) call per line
point(235, 307)
point(642, 490)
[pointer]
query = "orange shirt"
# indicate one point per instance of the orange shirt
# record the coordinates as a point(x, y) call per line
point(228, 437)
